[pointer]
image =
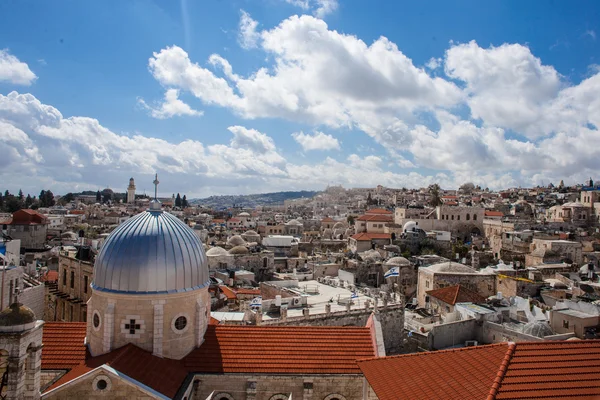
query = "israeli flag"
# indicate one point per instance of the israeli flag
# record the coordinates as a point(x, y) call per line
point(354, 295)
point(256, 302)
point(392, 272)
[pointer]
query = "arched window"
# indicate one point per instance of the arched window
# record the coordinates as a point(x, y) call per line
point(222, 396)
point(335, 396)
point(474, 217)
point(468, 217)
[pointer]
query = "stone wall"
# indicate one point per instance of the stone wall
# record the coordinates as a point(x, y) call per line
point(390, 317)
point(453, 333)
point(33, 298)
point(264, 387)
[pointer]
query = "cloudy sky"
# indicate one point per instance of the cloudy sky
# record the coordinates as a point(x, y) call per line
point(250, 96)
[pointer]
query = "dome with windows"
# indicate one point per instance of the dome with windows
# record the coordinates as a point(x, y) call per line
point(152, 252)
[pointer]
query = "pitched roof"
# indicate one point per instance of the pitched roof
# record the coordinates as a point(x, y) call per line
point(375, 218)
point(327, 219)
point(230, 294)
point(378, 211)
point(63, 345)
point(364, 236)
point(526, 370)
point(489, 213)
point(161, 374)
point(281, 350)
point(456, 294)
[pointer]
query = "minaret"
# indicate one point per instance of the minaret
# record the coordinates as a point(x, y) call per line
point(131, 191)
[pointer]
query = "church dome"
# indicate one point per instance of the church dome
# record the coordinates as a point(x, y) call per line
point(216, 251)
point(15, 315)
point(153, 252)
point(538, 328)
point(409, 226)
point(451, 267)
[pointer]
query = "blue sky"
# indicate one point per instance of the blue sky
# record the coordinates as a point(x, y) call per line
point(322, 92)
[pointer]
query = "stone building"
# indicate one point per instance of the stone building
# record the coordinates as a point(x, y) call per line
point(360, 242)
point(30, 227)
point(148, 334)
point(450, 273)
point(131, 191)
point(552, 250)
point(75, 274)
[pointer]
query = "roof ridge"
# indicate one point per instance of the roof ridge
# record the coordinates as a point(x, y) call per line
point(502, 371)
point(431, 352)
point(456, 293)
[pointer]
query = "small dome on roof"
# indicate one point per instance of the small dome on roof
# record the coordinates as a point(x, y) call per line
point(236, 240)
point(238, 250)
point(251, 233)
point(409, 226)
point(327, 233)
point(397, 261)
point(451, 266)
point(243, 214)
point(294, 222)
point(16, 314)
point(538, 328)
point(216, 251)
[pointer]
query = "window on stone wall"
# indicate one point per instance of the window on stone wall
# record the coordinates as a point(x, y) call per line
point(458, 217)
point(474, 217)
point(64, 277)
point(85, 284)
point(72, 279)
point(565, 324)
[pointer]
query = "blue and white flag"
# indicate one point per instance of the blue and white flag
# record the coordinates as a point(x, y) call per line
point(256, 302)
point(354, 295)
point(392, 272)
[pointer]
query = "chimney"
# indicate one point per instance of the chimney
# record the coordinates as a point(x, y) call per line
point(327, 308)
point(283, 313)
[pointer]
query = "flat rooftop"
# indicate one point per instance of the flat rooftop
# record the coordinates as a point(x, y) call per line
point(317, 301)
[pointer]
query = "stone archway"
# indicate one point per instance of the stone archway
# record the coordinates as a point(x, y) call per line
point(279, 396)
point(222, 396)
point(335, 396)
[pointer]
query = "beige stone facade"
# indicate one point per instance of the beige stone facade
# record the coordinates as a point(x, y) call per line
point(74, 279)
point(148, 321)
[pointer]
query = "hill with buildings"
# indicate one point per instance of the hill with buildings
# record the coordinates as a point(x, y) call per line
point(251, 200)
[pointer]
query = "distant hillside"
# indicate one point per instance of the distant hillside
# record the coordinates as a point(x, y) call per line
point(251, 200)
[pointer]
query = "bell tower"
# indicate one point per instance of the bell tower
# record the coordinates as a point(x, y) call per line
point(131, 191)
point(20, 353)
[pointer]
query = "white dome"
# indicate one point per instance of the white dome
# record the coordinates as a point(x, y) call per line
point(409, 226)
point(451, 267)
point(236, 240)
point(153, 252)
point(397, 261)
point(294, 222)
point(243, 214)
point(216, 251)
point(250, 233)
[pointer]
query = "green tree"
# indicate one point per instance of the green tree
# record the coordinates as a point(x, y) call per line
point(350, 220)
point(98, 197)
point(13, 204)
point(434, 191)
point(28, 201)
point(21, 195)
point(1, 202)
point(184, 202)
point(178, 200)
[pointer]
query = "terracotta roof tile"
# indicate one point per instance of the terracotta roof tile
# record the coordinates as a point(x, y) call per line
point(378, 211)
point(536, 370)
point(281, 350)
point(161, 374)
point(230, 294)
point(63, 345)
point(375, 218)
point(364, 236)
point(489, 213)
point(456, 294)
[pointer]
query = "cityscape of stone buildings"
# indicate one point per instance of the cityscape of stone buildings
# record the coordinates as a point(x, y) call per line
point(145, 298)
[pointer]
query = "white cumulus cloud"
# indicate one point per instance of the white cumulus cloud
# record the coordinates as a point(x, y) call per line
point(14, 71)
point(248, 36)
point(170, 107)
point(317, 141)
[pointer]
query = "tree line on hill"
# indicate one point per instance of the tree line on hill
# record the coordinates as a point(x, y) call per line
point(10, 202)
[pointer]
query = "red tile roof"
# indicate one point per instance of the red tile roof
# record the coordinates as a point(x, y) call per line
point(255, 292)
point(293, 350)
point(535, 370)
point(456, 294)
point(364, 236)
point(26, 216)
point(489, 213)
point(50, 276)
point(327, 219)
point(63, 345)
point(378, 211)
point(281, 350)
point(161, 374)
point(375, 218)
point(230, 294)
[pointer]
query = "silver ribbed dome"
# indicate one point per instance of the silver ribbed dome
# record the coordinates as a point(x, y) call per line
point(153, 252)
